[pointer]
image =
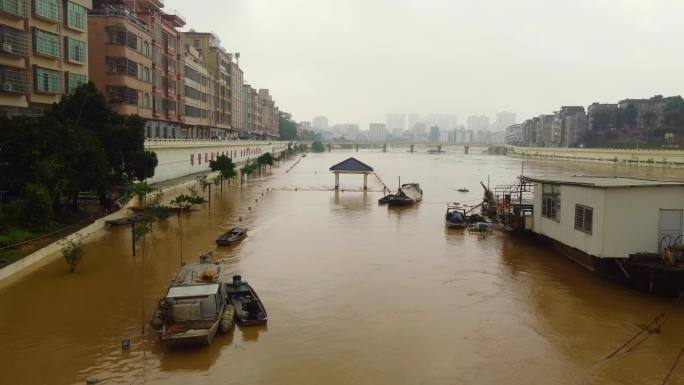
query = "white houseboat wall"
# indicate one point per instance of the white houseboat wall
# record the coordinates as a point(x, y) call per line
point(617, 227)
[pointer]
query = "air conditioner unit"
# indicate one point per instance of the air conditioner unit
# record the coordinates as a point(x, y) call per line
point(7, 47)
point(9, 87)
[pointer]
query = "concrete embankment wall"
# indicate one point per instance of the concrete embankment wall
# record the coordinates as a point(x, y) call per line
point(87, 234)
point(178, 158)
point(644, 158)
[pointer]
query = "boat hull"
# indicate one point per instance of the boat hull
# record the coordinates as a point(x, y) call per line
point(653, 278)
point(249, 310)
point(193, 337)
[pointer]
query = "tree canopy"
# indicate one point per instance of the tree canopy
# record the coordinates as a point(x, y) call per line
point(224, 165)
point(287, 128)
point(317, 146)
point(80, 144)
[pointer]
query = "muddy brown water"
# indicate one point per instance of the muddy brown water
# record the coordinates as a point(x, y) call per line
point(356, 293)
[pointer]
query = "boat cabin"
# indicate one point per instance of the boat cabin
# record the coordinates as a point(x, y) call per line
point(607, 217)
point(196, 293)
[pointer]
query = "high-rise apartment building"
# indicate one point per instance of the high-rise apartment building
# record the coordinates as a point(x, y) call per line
point(503, 120)
point(120, 58)
point(396, 123)
point(320, 123)
point(167, 65)
point(238, 118)
point(199, 95)
point(269, 113)
point(43, 52)
point(217, 60)
point(377, 132)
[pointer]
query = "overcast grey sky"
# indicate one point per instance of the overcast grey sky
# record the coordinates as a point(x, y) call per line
point(356, 60)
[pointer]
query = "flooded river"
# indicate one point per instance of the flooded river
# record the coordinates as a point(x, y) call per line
point(356, 293)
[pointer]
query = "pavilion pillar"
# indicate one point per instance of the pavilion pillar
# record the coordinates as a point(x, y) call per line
point(337, 181)
point(365, 181)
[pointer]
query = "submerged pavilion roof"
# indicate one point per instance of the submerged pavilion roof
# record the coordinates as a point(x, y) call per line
point(351, 165)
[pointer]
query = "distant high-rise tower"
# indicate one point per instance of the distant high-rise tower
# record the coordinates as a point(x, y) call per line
point(320, 123)
point(503, 120)
point(396, 124)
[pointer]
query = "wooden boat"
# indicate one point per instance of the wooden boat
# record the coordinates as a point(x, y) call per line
point(194, 308)
point(463, 189)
point(384, 200)
point(455, 216)
point(248, 307)
point(234, 235)
point(124, 221)
point(408, 194)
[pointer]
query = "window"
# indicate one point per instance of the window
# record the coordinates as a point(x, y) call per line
point(45, 43)
point(117, 34)
point(551, 201)
point(76, 16)
point(48, 9)
point(47, 80)
point(76, 50)
point(124, 95)
point(74, 80)
point(146, 74)
point(584, 217)
point(146, 48)
point(13, 80)
point(15, 7)
point(146, 101)
point(12, 41)
point(121, 65)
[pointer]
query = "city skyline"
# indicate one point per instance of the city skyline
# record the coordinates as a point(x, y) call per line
point(490, 68)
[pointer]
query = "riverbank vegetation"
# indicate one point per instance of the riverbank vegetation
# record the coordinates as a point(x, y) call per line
point(627, 128)
point(68, 165)
point(317, 146)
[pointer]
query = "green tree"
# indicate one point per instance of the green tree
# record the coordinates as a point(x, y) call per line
point(317, 147)
point(287, 129)
point(224, 165)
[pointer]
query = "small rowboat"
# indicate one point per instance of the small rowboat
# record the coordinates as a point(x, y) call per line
point(124, 221)
point(248, 307)
point(231, 237)
point(463, 189)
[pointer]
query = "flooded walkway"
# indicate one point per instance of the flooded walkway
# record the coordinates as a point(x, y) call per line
point(356, 293)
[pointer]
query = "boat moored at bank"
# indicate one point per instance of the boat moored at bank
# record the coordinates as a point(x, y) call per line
point(194, 308)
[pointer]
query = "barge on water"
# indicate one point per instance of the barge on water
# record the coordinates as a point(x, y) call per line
point(621, 228)
point(194, 308)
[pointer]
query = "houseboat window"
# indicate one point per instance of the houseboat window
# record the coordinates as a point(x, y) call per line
point(584, 216)
point(551, 200)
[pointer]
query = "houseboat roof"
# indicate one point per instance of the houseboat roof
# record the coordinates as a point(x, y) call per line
point(601, 181)
point(193, 290)
point(198, 273)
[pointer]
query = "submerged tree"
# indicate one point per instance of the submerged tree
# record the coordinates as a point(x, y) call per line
point(72, 251)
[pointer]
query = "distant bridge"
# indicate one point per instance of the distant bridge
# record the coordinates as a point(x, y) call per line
point(411, 147)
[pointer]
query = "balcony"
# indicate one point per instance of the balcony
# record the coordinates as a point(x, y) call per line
point(151, 4)
point(174, 18)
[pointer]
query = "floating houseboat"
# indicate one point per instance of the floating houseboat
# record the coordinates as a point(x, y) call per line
point(194, 308)
point(621, 228)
